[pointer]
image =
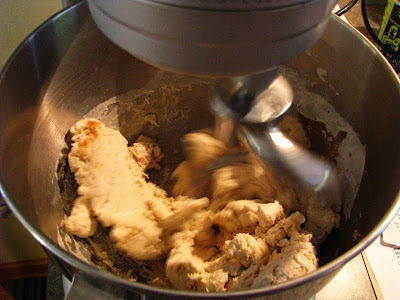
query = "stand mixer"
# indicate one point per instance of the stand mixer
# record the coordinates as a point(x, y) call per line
point(68, 67)
point(244, 43)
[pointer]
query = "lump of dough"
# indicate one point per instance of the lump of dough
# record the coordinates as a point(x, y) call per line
point(110, 176)
point(253, 180)
point(80, 221)
point(246, 249)
point(244, 259)
point(296, 255)
point(191, 180)
point(246, 215)
point(146, 153)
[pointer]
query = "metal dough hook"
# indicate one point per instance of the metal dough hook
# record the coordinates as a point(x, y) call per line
point(244, 105)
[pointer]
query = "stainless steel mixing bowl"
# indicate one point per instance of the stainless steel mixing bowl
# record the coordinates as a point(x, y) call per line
point(67, 67)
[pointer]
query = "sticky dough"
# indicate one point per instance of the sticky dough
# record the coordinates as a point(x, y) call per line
point(240, 236)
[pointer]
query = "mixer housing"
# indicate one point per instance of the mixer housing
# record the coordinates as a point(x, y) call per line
point(214, 37)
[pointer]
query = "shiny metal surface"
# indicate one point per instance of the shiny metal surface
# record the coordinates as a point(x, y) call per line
point(306, 170)
point(257, 98)
point(254, 99)
point(67, 67)
point(251, 106)
point(271, 104)
point(213, 37)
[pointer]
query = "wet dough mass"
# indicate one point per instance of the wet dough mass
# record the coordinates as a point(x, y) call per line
point(232, 230)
